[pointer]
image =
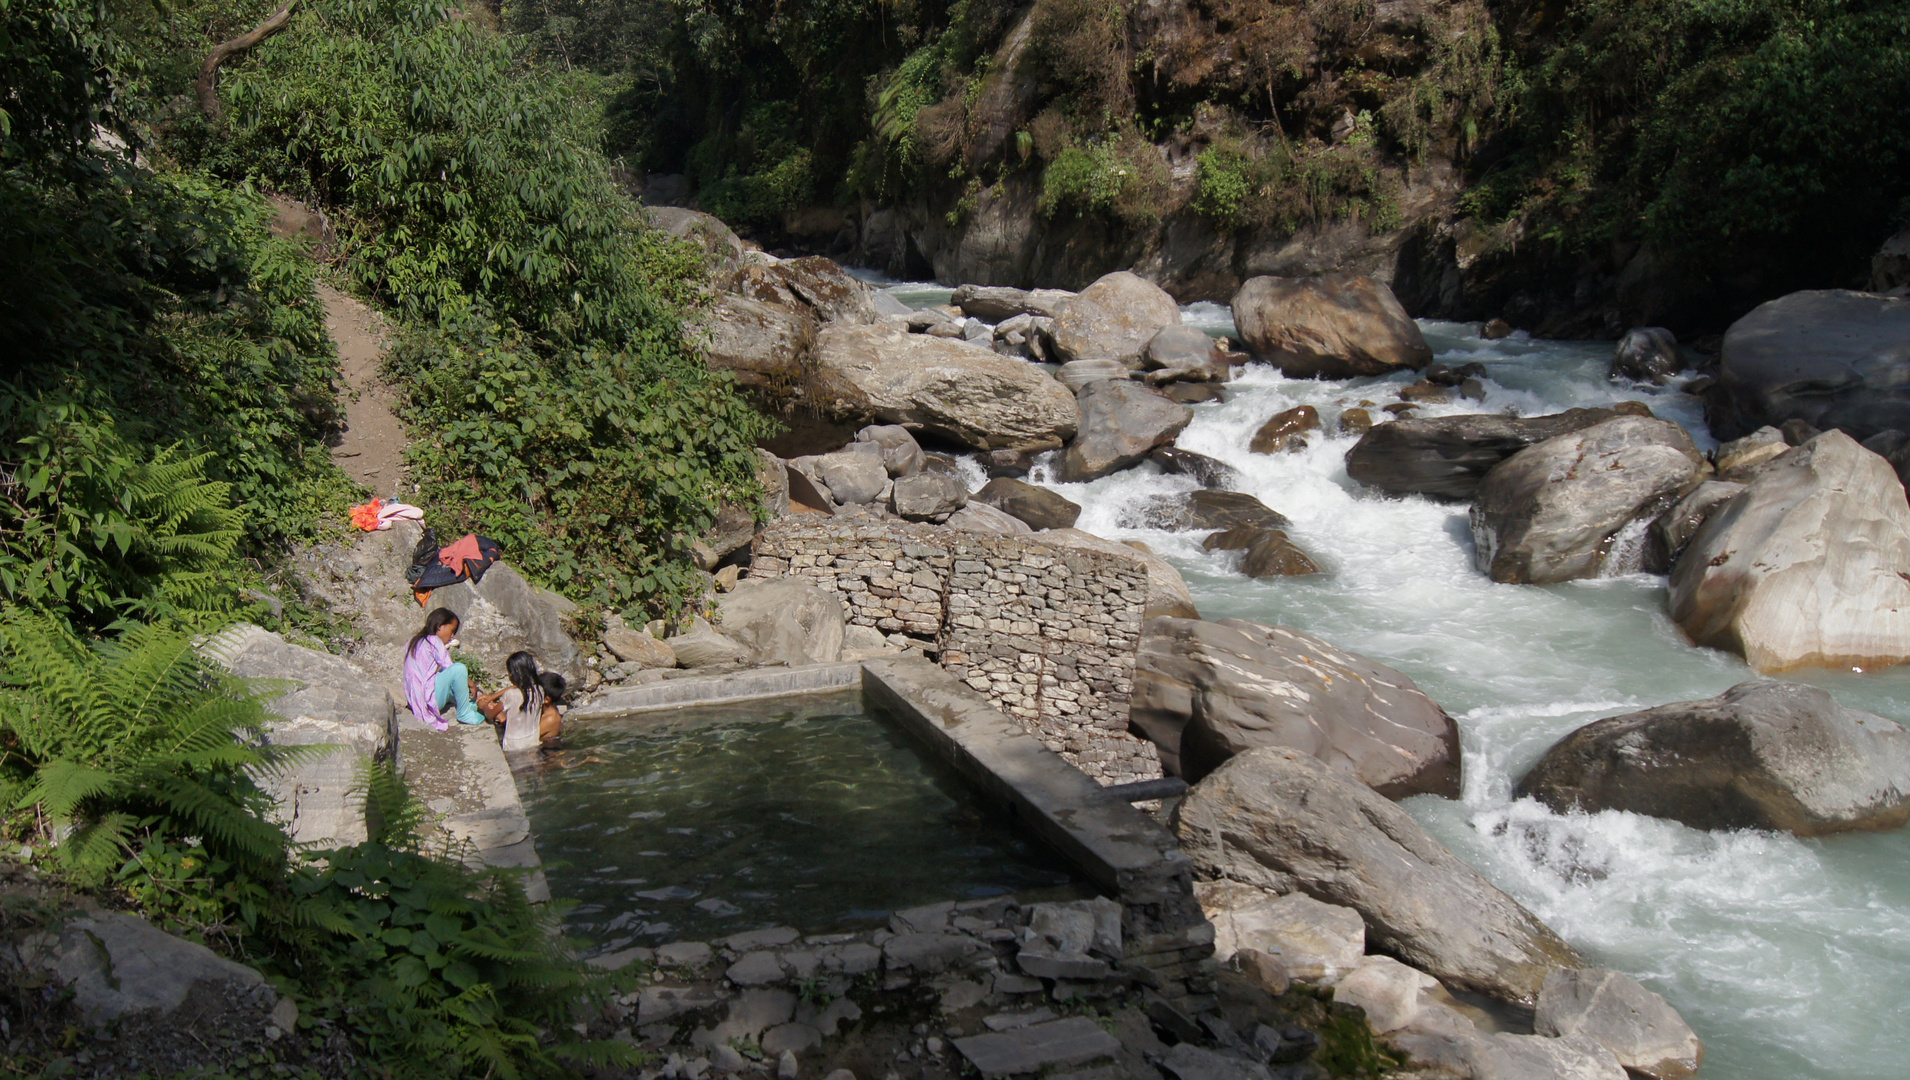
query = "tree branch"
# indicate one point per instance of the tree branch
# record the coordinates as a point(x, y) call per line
point(208, 81)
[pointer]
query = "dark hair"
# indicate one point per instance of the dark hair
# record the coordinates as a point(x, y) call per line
point(554, 687)
point(434, 622)
point(522, 668)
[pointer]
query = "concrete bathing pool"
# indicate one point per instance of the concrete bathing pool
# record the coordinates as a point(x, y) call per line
point(812, 812)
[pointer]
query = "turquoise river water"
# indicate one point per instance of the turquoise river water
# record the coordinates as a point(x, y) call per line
point(1790, 957)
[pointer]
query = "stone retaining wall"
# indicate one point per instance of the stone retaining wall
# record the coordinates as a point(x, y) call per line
point(1047, 633)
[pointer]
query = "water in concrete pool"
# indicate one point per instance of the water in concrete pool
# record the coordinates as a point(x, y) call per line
point(698, 823)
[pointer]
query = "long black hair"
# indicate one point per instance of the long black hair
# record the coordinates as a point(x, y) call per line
point(434, 622)
point(522, 669)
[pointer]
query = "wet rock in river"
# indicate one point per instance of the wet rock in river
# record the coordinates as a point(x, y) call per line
point(1674, 528)
point(1113, 319)
point(1286, 430)
point(1284, 820)
point(1761, 755)
point(1832, 358)
point(1551, 512)
point(1333, 326)
point(1647, 354)
point(1205, 692)
point(1808, 566)
point(1211, 472)
point(1641, 1029)
point(1120, 422)
point(1738, 459)
point(1446, 457)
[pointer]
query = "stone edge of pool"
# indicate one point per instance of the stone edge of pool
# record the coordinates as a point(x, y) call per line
point(1124, 852)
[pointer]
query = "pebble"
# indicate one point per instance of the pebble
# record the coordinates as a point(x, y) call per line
point(786, 1065)
point(934, 1045)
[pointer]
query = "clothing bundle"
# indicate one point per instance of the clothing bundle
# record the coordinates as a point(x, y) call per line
point(377, 515)
point(434, 567)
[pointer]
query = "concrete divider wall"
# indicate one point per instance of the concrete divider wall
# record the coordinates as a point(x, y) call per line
point(1047, 633)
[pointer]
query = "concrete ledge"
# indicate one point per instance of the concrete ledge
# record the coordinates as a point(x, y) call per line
point(717, 689)
point(1120, 849)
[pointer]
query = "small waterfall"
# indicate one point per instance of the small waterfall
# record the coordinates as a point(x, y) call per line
point(1625, 553)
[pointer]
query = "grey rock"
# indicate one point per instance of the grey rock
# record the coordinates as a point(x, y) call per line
point(764, 345)
point(1113, 319)
point(927, 497)
point(837, 1013)
point(994, 303)
point(717, 240)
point(1740, 458)
point(1210, 472)
point(1446, 457)
point(1647, 354)
point(684, 954)
point(638, 647)
point(786, 1068)
point(887, 305)
point(769, 938)
point(1206, 691)
point(1315, 942)
point(331, 702)
point(812, 282)
point(1674, 528)
point(1387, 990)
point(703, 646)
point(1038, 507)
point(852, 476)
point(929, 953)
point(119, 966)
point(1641, 1029)
point(1333, 326)
point(840, 1074)
point(1213, 510)
point(623, 958)
point(1189, 1062)
point(1832, 358)
point(656, 1004)
point(1284, 820)
point(1012, 463)
point(789, 620)
point(1120, 422)
point(1010, 1021)
point(1076, 1040)
point(725, 1058)
point(1181, 347)
point(1550, 512)
point(760, 968)
point(1078, 375)
point(1808, 566)
point(901, 454)
point(791, 1038)
point(981, 517)
point(1761, 755)
point(1537, 1057)
point(964, 394)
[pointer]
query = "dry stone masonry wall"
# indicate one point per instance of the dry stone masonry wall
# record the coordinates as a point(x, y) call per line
point(1047, 633)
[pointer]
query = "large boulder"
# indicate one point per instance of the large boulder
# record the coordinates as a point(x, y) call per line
point(931, 384)
point(927, 497)
point(1181, 347)
point(855, 475)
point(1647, 354)
point(1207, 691)
point(901, 454)
point(1167, 592)
point(1832, 358)
point(1674, 528)
point(1808, 566)
point(363, 580)
point(997, 304)
point(1029, 503)
point(329, 701)
point(1316, 943)
point(1113, 319)
point(1549, 513)
point(789, 620)
point(1761, 755)
point(1120, 423)
point(716, 239)
point(1285, 820)
point(1446, 457)
point(763, 345)
point(120, 968)
point(1334, 326)
point(813, 283)
point(735, 524)
point(1641, 1029)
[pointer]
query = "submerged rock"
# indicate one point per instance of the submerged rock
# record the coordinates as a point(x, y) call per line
point(1334, 326)
point(1120, 422)
point(1113, 319)
point(1285, 431)
point(1761, 755)
point(1551, 512)
point(945, 388)
point(1447, 457)
point(1211, 472)
point(1284, 820)
point(1808, 566)
point(1205, 692)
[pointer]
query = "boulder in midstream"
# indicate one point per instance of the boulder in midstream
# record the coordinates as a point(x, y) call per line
point(1333, 326)
point(1120, 422)
point(1647, 354)
point(1113, 319)
point(1446, 457)
point(1205, 692)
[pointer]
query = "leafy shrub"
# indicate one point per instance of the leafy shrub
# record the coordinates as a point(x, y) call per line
point(1120, 176)
point(1223, 186)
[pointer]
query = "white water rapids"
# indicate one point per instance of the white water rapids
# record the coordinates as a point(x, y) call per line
point(1790, 957)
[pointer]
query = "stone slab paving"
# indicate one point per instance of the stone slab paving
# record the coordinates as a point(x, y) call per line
point(461, 776)
point(1076, 1040)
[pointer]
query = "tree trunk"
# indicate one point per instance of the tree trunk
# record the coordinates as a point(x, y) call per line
point(207, 84)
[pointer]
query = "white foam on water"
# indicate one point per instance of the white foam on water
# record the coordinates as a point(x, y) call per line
point(1789, 956)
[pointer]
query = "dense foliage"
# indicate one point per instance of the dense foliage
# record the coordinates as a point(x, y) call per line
point(1715, 129)
point(556, 402)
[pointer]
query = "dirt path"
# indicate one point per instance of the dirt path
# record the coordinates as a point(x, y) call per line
point(371, 449)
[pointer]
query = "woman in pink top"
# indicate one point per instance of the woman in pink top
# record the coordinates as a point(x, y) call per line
point(432, 681)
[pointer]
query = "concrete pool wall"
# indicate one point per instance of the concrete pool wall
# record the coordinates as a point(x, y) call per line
point(1166, 942)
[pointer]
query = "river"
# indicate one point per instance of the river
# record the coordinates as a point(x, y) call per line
point(1789, 957)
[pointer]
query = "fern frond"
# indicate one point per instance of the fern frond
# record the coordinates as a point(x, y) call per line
point(97, 845)
point(61, 785)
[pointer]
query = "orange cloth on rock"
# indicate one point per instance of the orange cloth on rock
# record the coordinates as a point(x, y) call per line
point(455, 555)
